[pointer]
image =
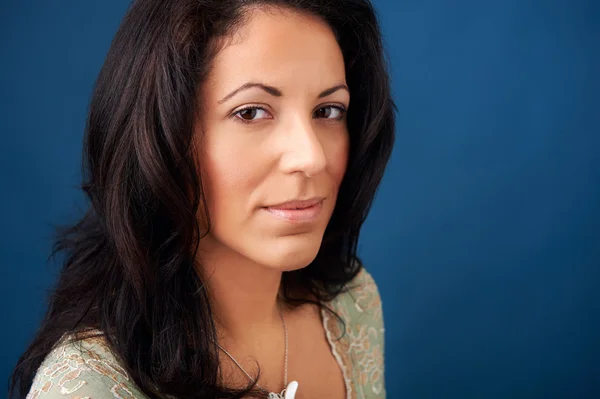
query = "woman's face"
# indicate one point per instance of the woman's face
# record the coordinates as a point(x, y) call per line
point(272, 129)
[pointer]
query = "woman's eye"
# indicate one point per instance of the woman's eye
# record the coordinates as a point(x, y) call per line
point(250, 114)
point(330, 112)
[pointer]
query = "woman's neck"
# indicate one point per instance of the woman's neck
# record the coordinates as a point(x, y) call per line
point(243, 294)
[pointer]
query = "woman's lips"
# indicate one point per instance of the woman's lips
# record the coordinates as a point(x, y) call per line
point(297, 211)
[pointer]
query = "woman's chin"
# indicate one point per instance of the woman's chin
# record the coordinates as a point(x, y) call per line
point(290, 257)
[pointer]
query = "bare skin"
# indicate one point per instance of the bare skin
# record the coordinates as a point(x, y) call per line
point(293, 147)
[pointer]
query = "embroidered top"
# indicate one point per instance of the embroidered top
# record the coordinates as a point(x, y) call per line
point(86, 369)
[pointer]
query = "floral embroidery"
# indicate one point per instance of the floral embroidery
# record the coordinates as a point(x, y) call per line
point(360, 350)
point(72, 365)
point(370, 363)
point(366, 296)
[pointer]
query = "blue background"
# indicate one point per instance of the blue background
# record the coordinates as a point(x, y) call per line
point(485, 235)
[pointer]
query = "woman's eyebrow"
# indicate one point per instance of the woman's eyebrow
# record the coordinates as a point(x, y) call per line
point(269, 89)
point(276, 92)
point(333, 89)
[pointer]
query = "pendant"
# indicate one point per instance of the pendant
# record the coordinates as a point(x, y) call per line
point(288, 393)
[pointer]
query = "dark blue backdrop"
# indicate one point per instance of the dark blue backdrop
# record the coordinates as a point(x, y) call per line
point(485, 236)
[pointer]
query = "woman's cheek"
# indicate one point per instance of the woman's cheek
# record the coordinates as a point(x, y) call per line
point(338, 159)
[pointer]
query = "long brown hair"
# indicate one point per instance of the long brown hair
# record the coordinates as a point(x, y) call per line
point(129, 261)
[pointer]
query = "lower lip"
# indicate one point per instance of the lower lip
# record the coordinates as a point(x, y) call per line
point(297, 215)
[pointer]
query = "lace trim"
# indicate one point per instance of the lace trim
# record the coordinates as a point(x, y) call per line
point(347, 382)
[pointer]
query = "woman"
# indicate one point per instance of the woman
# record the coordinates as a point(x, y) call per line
point(228, 177)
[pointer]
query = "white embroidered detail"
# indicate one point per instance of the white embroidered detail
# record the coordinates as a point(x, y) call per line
point(326, 320)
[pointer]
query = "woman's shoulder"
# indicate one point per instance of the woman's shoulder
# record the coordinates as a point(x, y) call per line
point(358, 342)
point(82, 367)
point(361, 298)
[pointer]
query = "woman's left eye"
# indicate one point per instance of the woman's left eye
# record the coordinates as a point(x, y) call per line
point(330, 112)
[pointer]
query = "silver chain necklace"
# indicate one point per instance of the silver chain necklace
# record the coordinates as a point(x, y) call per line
point(290, 390)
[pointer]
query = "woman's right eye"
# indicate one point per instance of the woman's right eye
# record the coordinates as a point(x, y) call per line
point(250, 114)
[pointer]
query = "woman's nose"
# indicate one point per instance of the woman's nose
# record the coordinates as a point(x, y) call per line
point(303, 151)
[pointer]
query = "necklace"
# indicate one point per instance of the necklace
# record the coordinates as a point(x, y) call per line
point(289, 392)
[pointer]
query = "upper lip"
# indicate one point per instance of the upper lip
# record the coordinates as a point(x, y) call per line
point(298, 204)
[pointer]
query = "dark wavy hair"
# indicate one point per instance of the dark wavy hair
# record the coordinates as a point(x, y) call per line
point(129, 263)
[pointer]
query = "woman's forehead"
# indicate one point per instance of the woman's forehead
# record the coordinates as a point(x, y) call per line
point(279, 49)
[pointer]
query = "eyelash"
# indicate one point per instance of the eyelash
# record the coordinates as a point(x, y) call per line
point(340, 108)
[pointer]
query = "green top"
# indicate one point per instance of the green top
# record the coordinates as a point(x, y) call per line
point(87, 369)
